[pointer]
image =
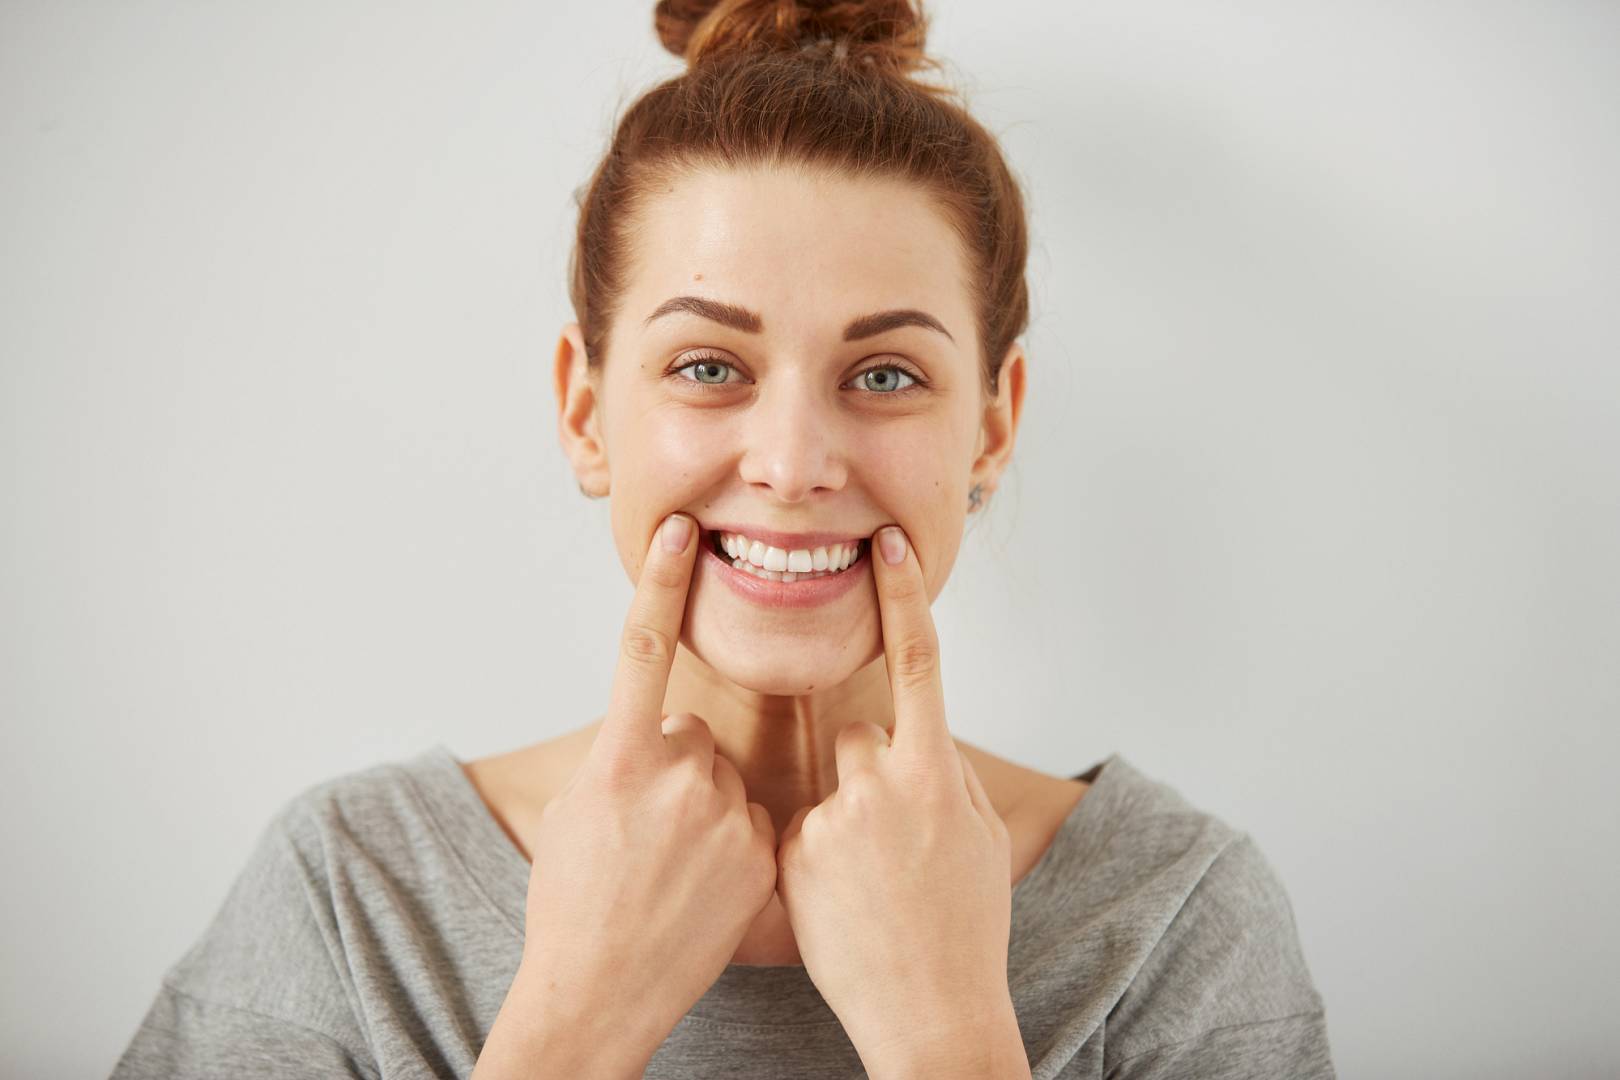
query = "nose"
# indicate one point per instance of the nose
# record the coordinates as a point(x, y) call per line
point(793, 442)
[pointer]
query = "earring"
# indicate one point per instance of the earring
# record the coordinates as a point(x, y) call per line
point(975, 500)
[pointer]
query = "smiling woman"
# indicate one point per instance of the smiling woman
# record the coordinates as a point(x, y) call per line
point(797, 287)
point(822, 375)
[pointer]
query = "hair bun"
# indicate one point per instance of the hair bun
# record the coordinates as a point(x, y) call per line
point(886, 33)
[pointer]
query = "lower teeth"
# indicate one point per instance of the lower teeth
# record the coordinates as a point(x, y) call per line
point(787, 577)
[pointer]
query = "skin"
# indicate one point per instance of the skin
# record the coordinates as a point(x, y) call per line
point(798, 439)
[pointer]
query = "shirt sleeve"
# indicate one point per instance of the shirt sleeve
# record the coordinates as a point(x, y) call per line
point(1225, 992)
point(264, 991)
point(1290, 1046)
point(187, 1038)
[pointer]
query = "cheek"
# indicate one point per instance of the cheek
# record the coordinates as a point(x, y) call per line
point(662, 462)
point(672, 447)
point(911, 475)
point(937, 558)
point(683, 455)
point(659, 465)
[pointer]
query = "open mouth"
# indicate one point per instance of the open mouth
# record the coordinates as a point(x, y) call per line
point(775, 564)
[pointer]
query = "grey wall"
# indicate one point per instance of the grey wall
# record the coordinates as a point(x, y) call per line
point(1315, 514)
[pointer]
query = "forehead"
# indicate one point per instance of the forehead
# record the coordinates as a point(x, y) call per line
point(800, 247)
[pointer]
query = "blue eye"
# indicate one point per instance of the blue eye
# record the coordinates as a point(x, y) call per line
point(709, 372)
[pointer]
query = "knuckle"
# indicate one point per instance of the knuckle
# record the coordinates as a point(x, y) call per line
point(688, 726)
point(729, 779)
point(812, 825)
point(685, 763)
point(738, 824)
point(901, 586)
point(694, 784)
point(847, 741)
point(861, 792)
point(645, 645)
point(678, 801)
point(765, 859)
point(858, 732)
point(916, 658)
point(759, 819)
point(664, 573)
point(618, 774)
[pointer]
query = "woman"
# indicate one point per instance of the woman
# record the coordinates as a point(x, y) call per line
point(798, 280)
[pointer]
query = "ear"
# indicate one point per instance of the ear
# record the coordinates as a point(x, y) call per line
point(578, 423)
point(1000, 424)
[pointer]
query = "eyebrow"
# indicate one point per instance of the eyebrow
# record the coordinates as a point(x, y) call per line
point(740, 318)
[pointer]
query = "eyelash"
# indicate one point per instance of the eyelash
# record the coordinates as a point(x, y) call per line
point(918, 382)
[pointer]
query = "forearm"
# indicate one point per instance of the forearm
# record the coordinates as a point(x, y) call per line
point(985, 1045)
point(535, 1038)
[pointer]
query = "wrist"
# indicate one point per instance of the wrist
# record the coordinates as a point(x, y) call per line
point(559, 1031)
point(981, 1043)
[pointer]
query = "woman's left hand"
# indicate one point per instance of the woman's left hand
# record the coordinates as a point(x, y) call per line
point(898, 886)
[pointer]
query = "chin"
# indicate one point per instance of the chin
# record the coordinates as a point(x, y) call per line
point(785, 672)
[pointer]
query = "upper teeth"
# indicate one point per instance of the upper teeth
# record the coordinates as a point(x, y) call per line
point(795, 560)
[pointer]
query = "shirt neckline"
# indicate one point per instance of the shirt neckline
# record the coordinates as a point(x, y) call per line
point(499, 871)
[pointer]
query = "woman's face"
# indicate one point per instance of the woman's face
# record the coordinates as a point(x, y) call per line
point(764, 408)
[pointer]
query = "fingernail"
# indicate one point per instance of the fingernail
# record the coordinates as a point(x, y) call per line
point(677, 530)
point(892, 542)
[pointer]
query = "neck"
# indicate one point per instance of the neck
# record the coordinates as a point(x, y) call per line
point(782, 745)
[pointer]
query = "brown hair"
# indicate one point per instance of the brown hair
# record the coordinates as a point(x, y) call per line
point(819, 84)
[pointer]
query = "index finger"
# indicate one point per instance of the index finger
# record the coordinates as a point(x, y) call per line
point(651, 631)
point(910, 648)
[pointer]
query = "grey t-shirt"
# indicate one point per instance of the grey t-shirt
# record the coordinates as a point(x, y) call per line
point(379, 922)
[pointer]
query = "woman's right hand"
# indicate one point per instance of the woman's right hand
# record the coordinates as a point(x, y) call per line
point(650, 864)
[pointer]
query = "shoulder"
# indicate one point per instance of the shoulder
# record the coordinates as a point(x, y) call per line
point(1220, 945)
point(338, 827)
point(292, 854)
point(273, 951)
point(268, 976)
point(1147, 841)
point(389, 815)
point(366, 793)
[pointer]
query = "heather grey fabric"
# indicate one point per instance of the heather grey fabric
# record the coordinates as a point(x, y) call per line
point(379, 921)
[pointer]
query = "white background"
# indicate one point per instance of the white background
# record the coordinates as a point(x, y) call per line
point(1314, 515)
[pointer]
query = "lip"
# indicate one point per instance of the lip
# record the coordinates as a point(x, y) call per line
point(802, 593)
